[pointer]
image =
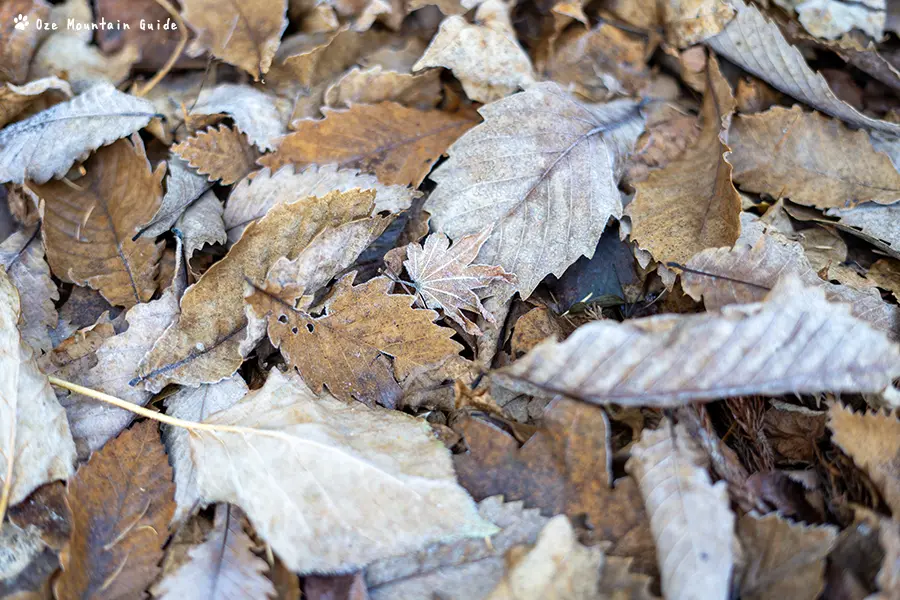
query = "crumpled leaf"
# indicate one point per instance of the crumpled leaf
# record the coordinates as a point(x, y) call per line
point(194, 404)
point(756, 44)
point(332, 486)
point(22, 256)
point(183, 186)
point(204, 344)
point(375, 84)
point(830, 19)
point(396, 143)
point(252, 198)
point(879, 225)
point(690, 517)
point(17, 46)
point(16, 98)
point(255, 112)
point(202, 224)
point(47, 144)
point(88, 228)
point(223, 153)
point(486, 58)
point(121, 503)
point(349, 349)
point(543, 166)
point(811, 159)
point(243, 34)
point(793, 342)
point(784, 560)
point(872, 439)
point(222, 567)
point(35, 433)
point(688, 22)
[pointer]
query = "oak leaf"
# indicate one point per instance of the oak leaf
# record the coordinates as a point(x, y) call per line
point(243, 34)
point(396, 143)
point(543, 166)
point(223, 153)
point(22, 256)
point(375, 84)
point(793, 342)
point(365, 338)
point(350, 484)
point(121, 503)
point(14, 99)
point(690, 517)
point(95, 118)
point(17, 46)
point(88, 227)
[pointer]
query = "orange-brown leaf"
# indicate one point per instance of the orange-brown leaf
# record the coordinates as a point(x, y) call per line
point(223, 153)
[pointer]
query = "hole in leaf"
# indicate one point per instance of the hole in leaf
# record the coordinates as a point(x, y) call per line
point(282, 319)
point(294, 330)
point(309, 326)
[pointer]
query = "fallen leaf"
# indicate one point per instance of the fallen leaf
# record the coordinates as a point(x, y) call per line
point(83, 65)
point(14, 99)
point(155, 45)
point(885, 273)
point(95, 118)
point(121, 503)
point(486, 58)
point(223, 566)
point(202, 224)
point(784, 560)
point(183, 186)
point(22, 256)
point(542, 166)
point(335, 587)
point(36, 445)
point(376, 482)
point(534, 327)
point(793, 342)
point(830, 19)
point(365, 338)
point(396, 143)
point(255, 112)
point(17, 45)
point(375, 84)
point(688, 22)
point(88, 227)
point(222, 153)
point(26, 564)
point(243, 34)
point(873, 223)
point(794, 431)
point(690, 518)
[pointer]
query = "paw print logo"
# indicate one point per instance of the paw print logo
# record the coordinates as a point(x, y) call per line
point(21, 22)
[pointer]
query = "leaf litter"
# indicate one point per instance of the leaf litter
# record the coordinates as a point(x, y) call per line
point(459, 299)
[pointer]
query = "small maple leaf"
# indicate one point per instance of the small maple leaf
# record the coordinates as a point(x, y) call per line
point(444, 277)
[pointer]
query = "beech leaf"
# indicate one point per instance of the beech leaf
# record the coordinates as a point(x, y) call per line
point(222, 153)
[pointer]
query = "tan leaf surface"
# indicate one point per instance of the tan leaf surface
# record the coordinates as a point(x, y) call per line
point(256, 113)
point(243, 34)
point(444, 276)
point(396, 143)
point(374, 85)
point(194, 404)
point(557, 567)
point(36, 444)
point(252, 198)
point(691, 204)
point(121, 503)
point(747, 273)
point(794, 342)
point(203, 346)
point(221, 568)
point(88, 228)
point(98, 117)
point(688, 22)
point(14, 99)
point(755, 43)
point(811, 159)
point(885, 273)
point(22, 256)
point(689, 516)
point(332, 486)
point(486, 58)
point(74, 58)
point(366, 337)
point(543, 166)
point(872, 439)
point(784, 560)
point(223, 153)
point(183, 186)
point(17, 46)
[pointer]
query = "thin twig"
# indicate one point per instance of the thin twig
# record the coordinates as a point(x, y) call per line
point(176, 54)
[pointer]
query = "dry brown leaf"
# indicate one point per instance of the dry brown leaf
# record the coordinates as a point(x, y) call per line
point(878, 225)
point(223, 567)
point(22, 256)
point(794, 342)
point(155, 45)
point(755, 43)
point(872, 439)
point(885, 273)
point(252, 198)
point(223, 153)
point(121, 503)
point(98, 117)
point(486, 58)
point(365, 339)
point(542, 169)
point(811, 159)
point(396, 143)
point(14, 99)
point(688, 22)
point(374, 85)
point(243, 34)
point(534, 327)
point(73, 58)
point(260, 115)
point(784, 560)
point(690, 204)
point(669, 132)
point(794, 431)
point(332, 486)
point(17, 46)
point(443, 276)
point(88, 227)
point(204, 345)
point(36, 445)
point(690, 517)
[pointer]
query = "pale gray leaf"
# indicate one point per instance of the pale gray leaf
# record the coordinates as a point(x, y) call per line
point(22, 255)
point(183, 186)
point(255, 112)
